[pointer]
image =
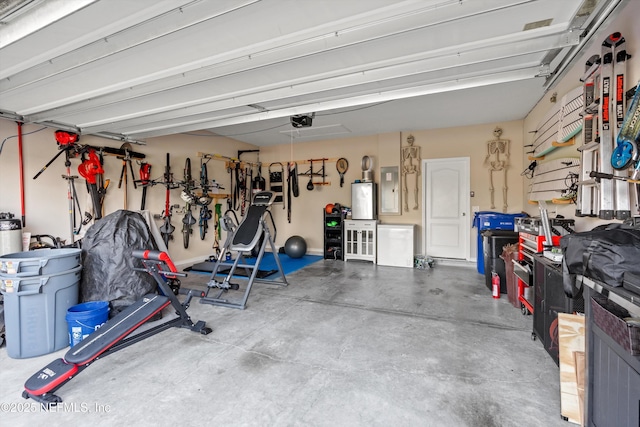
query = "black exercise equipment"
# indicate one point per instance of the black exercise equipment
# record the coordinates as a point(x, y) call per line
point(118, 332)
point(253, 232)
point(276, 178)
point(295, 247)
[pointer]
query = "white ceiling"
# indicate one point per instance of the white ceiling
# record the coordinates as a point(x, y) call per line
point(132, 70)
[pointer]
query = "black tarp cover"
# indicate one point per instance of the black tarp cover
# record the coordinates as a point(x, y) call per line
point(107, 273)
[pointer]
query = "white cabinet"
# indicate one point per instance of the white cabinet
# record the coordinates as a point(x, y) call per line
point(396, 245)
point(360, 240)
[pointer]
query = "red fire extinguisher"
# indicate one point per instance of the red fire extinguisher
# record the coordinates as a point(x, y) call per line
point(495, 285)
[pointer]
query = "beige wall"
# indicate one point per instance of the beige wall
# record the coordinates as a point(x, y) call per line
point(467, 141)
point(47, 204)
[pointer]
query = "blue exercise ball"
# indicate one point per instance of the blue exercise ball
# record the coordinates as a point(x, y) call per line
point(295, 247)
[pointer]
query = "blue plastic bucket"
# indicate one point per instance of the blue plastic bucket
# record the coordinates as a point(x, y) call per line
point(84, 319)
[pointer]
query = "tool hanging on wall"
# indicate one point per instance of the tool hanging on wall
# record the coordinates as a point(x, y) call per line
point(75, 223)
point(259, 183)
point(204, 200)
point(66, 142)
point(242, 188)
point(102, 183)
point(292, 186)
point(236, 186)
point(249, 181)
point(126, 161)
point(246, 178)
point(166, 229)
point(145, 174)
point(342, 165)
point(293, 174)
point(528, 172)
point(189, 198)
point(218, 231)
point(90, 169)
point(310, 183)
point(310, 173)
point(276, 182)
point(232, 189)
point(21, 166)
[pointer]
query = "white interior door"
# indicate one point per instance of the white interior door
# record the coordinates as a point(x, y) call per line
point(446, 215)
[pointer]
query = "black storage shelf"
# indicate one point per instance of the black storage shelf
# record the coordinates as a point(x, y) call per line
point(333, 247)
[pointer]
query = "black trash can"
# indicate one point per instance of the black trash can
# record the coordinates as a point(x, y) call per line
point(493, 243)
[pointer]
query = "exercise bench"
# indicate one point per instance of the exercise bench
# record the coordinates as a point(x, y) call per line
point(118, 332)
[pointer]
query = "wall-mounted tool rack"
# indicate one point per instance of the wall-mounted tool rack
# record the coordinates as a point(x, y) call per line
point(320, 173)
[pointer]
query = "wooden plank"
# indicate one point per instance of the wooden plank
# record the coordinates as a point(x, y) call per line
point(235, 160)
point(581, 363)
point(571, 334)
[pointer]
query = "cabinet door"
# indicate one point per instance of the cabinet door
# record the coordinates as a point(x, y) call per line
point(539, 326)
point(615, 392)
point(367, 241)
point(351, 241)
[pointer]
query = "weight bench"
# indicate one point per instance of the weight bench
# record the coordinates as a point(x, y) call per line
point(252, 232)
point(117, 332)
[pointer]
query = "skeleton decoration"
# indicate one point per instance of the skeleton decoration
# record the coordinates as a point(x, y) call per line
point(495, 149)
point(410, 165)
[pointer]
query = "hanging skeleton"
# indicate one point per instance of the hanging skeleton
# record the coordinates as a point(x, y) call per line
point(496, 148)
point(410, 165)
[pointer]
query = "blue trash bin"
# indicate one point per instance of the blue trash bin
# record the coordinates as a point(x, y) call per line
point(488, 220)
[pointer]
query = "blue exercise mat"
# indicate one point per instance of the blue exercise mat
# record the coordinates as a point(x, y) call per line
point(268, 266)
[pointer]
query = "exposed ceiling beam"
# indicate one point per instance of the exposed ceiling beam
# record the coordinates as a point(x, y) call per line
point(460, 83)
point(37, 18)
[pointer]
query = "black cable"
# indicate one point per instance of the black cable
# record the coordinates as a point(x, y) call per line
point(528, 172)
point(15, 136)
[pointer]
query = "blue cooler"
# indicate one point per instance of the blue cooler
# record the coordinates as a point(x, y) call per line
point(487, 220)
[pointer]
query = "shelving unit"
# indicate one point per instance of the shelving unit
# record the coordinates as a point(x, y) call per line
point(333, 248)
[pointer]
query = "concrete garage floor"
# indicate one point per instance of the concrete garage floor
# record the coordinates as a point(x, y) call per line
point(345, 344)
